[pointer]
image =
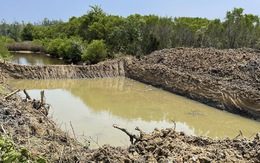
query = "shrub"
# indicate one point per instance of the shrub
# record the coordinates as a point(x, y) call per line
point(4, 53)
point(53, 47)
point(95, 52)
point(70, 50)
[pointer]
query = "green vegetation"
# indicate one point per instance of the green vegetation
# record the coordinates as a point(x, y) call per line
point(134, 35)
point(10, 154)
point(4, 53)
point(95, 52)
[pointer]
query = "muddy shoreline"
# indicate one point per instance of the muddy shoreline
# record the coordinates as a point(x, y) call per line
point(225, 78)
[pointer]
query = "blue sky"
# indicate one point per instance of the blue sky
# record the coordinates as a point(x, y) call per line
point(36, 10)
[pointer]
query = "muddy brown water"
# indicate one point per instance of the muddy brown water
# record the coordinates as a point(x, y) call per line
point(92, 106)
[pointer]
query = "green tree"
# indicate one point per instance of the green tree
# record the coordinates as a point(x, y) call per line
point(96, 51)
point(40, 32)
point(14, 31)
point(27, 32)
point(186, 30)
point(241, 30)
point(4, 28)
point(126, 38)
point(214, 34)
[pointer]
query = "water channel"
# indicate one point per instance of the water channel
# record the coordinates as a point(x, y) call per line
point(35, 59)
point(92, 106)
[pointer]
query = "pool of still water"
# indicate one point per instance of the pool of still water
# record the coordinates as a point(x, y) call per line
point(92, 106)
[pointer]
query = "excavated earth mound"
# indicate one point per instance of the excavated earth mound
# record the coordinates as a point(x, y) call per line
point(225, 79)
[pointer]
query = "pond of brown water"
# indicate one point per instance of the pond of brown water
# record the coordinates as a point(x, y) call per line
point(92, 106)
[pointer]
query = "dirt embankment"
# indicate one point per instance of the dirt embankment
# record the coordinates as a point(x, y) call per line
point(226, 79)
point(111, 68)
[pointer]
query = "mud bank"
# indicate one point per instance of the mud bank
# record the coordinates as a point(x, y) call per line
point(112, 68)
point(225, 79)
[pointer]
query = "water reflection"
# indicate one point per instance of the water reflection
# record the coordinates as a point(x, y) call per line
point(31, 59)
point(94, 105)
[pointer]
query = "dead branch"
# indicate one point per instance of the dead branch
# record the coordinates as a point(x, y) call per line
point(42, 97)
point(95, 141)
point(257, 137)
point(141, 132)
point(42, 100)
point(131, 136)
point(174, 125)
point(11, 94)
point(73, 131)
point(240, 134)
point(27, 95)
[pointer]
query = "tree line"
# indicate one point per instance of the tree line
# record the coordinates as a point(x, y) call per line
point(96, 35)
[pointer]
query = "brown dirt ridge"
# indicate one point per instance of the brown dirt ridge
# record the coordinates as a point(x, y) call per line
point(227, 79)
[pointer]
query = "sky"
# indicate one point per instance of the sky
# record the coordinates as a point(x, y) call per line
point(36, 10)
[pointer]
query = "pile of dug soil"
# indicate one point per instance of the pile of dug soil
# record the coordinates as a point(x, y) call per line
point(226, 79)
point(167, 145)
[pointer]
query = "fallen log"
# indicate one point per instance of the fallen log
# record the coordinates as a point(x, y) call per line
point(11, 94)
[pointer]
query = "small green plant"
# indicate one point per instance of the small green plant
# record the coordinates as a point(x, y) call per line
point(4, 53)
point(8, 153)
